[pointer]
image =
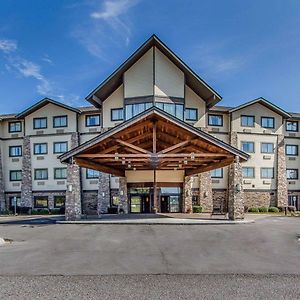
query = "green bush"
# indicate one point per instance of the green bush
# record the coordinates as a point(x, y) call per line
point(263, 209)
point(55, 211)
point(197, 209)
point(273, 209)
point(6, 212)
point(253, 209)
point(41, 211)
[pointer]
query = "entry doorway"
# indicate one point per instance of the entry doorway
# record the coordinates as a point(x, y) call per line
point(170, 199)
point(293, 201)
point(140, 200)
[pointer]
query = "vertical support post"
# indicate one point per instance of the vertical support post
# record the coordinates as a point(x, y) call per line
point(155, 194)
point(205, 192)
point(103, 193)
point(123, 206)
point(187, 200)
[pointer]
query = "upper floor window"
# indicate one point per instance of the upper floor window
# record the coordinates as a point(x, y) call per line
point(247, 121)
point(15, 175)
point(267, 148)
point(267, 173)
point(267, 122)
point(291, 150)
point(247, 147)
point(15, 151)
point(248, 172)
point(291, 126)
point(132, 110)
point(39, 123)
point(41, 174)
point(40, 148)
point(60, 147)
point(215, 120)
point(191, 114)
point(60, 173)
point(117, 114)
point(92, 120)
point(292, 173)
point(173, 109)
point(60, 121)
point(92, 174)
point(217, 173)
point(14, 126)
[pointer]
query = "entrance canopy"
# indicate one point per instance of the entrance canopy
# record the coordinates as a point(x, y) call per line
point(153, 140)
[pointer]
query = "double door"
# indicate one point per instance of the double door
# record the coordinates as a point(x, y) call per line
point(169, 203)
point(140, 204)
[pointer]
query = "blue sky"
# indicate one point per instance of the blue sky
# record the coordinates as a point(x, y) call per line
point(64, 49)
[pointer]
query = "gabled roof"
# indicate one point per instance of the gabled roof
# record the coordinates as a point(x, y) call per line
point(265, 103)
point(198, 85)
point(42, 103)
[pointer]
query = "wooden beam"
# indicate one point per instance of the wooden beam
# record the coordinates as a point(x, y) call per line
point(182, 144)
point(139, 149)
point(188, 155)
point(108, 155)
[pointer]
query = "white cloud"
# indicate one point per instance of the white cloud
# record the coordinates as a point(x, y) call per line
point(8, 45)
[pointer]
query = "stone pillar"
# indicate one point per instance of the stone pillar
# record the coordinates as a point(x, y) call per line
point(282, 183)
point(235, 191)
point(26, 190)
point(103, 193)
point(205, 192)
point(187, 197)
point(2, 194)
point(73, 193)
point(123, 206)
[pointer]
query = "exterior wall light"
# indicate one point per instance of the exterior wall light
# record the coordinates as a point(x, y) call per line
point(238, 187)
point(103, 194)
point(70, 188)
point(205, 194)
point(116, 156)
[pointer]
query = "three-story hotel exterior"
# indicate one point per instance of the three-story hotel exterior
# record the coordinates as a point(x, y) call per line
point(154, 140)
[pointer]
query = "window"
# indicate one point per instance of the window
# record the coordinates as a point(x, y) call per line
point(59, 201)
point(60, 121)
point(247, 121)
point(41, 174)
point(215, 120)
point(291, 150)
point(191, 114)
point(14, 126)
point(248, 172)
point(14, 201)
point(60, 173)
point(267, 173)
point(173, 109)
point(92, 174)
point(41, 202)
point(15, 151)
point(247, 147)
point(117, 114)
point(92, 120)
point(39, 123)
point(291, 126)
point(217, 173)
point(292, 173)
point(15, 175)
point(115, 200)
point(60, 147)
point(40, 148)
point(132, 110)
point(267, 148)
point(267, 122)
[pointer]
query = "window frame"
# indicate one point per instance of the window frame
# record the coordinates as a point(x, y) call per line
point(87, 173)
point(116, 109)
point(191, 109)
point(248, 177)
point(292, 169)
point(17, 146)
point(55, 143)
point(40, 169)
point(261, 121)
point(297, 150)
point(215, 115)
point(40, 118)
point(10, 175)
point(59, 178)
point(62, 116)
point(35, 144)
point(92, 115)
point(14, 122)
point(261, 146)
point(242, 142)
point(267, 168)
point(217, 177)
point(35, 198)
point(297, 129)
point(248, 116)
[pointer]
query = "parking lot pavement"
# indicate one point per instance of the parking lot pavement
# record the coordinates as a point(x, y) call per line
point(269, 246)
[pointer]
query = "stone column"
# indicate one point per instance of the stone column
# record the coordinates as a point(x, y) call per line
point(123, 206)
point(103, 193)
point(205, 192)
point(235, 191)
point(2, 194)
point(282, 183)
point(187, 197)
point(26, 187)
point(73, 193)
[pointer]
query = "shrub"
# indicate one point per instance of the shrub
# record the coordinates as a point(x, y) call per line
point(42, 211)
point(273, 209)
point(6, 212)
point(263, 209)
point(55, 211)
point(197, 209)
point(253, 209)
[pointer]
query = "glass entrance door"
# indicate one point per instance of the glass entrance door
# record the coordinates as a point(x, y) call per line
point(135, 204)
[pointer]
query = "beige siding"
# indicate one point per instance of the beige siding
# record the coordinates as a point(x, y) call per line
point(147, 176)
point(4, 129)
point(293, 162)
point(216, 129)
